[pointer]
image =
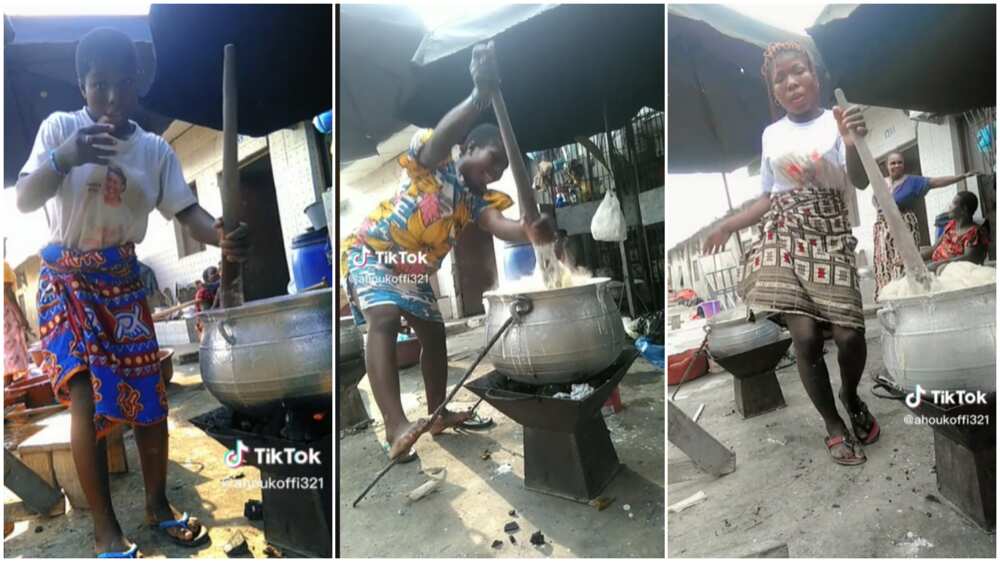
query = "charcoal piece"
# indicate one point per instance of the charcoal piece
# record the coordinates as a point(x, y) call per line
point(537, 538)
point(511, 527)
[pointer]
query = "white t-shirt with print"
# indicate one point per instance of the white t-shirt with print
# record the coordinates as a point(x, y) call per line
point(103, 206)
point(816, 148)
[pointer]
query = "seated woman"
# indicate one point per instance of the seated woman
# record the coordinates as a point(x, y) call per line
point(963, 239)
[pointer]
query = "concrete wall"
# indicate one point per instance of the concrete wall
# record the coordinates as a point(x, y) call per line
point(200, 152)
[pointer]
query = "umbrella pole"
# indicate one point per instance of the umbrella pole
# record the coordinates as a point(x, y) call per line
point(729, 201)
point(231, 293)
point(621, 245)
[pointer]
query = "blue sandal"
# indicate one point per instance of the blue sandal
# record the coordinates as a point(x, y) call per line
point(132, 552)
point(183, 523)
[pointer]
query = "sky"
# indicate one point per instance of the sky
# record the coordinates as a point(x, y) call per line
point(694, 200)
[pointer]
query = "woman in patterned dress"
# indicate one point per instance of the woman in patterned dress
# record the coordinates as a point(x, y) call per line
point(15, 329)
point(389, 258)
point(907, 191)
point(801, 272)
point(963, 239)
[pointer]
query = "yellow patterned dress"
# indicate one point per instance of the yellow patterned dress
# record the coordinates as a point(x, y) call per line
point(390, 258)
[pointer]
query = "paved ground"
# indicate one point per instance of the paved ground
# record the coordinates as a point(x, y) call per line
point(786, 489)
point(194, 474)
point(468, 512)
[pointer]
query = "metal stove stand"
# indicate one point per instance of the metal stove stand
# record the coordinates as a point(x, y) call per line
point(567, 447)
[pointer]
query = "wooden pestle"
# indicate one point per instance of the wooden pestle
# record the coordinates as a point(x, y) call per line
point(545, 258)
point(916, 271)
point(230, 287)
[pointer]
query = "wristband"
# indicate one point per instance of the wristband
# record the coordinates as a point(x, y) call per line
point(55, 165)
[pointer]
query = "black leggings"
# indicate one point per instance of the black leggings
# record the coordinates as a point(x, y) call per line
point(852, 351)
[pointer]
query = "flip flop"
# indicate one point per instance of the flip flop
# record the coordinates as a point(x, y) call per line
point(182, 523)
point(403, 459)
point(132, 552)
point(477, 422)
point(852, 460)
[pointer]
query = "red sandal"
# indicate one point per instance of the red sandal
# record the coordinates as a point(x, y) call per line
point(854, 459)
point(871, 430)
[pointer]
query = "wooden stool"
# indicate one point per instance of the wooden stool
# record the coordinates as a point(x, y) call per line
point(47, 453)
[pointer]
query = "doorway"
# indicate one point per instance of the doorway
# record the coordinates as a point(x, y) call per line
point(911, 166)
point(265, 273)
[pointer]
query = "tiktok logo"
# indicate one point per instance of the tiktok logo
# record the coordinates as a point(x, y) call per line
point(234, 457)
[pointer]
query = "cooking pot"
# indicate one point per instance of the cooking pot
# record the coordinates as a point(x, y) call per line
point(270, 353)
point(558, 335)
point(943, 341)
point(350, 342)
point(731, 333)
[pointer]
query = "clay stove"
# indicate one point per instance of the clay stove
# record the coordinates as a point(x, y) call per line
point(567, 447)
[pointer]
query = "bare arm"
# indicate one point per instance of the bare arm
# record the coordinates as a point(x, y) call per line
point(451, 130)
point(34, 189)
point(199, 224)
point(493, 221)
point(716, 241)
point(945, 181)
point(457, 123)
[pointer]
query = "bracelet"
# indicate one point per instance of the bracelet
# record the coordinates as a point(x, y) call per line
point(55, 165)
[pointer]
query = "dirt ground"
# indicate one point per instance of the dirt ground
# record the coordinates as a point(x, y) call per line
point(468, 512)
point(787, 490)
point(194, 485)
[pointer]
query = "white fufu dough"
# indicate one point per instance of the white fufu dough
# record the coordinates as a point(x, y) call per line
point(952, 277)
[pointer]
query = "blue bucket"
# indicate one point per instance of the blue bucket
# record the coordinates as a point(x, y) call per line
point(311, 259)
point(518, 261)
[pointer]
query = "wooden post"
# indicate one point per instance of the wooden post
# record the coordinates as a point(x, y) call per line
point(704, 450)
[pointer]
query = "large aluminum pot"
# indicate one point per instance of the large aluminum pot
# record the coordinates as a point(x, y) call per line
point(270, 353)
point(731, 333)
point(945, 341)
point(351, 343)
point(567, 335)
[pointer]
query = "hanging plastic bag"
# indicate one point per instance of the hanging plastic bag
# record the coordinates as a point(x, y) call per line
point(608, 224)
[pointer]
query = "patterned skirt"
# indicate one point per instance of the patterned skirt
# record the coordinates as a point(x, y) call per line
point(803, 262)
point(888, 264)
point(370, 283)
point(15, 349)
point(93, 319)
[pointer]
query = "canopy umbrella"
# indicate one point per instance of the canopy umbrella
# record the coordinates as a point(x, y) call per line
point(285, 65)
point(562, 66)
point(374, 46)
point(718, 101)
point(40, 76)
point(939, 58)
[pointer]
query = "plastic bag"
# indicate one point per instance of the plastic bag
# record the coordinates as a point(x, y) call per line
point(608, 224)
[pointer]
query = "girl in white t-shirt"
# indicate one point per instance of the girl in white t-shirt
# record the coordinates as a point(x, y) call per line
point(801, 272)
point(98, 176)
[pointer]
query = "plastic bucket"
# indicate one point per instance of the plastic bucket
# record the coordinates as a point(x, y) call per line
point(710, 308)
point(311, 259)
point(518, 261)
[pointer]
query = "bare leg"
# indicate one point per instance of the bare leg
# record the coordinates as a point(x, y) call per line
point(383, 369)
point(434, 367)
point(91, 459)
point(808, 340)
point(153, 444)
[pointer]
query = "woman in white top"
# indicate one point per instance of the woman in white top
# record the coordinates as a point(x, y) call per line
point(801, 272)
point(98, 176)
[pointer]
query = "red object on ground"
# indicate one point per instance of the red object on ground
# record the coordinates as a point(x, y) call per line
point(613, 404)
point(678, 363)
point(38, 391)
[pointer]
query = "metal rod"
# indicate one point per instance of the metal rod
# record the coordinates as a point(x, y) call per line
point(440, 408)
point(230, 289)
point(701, 349)
point(621, 245)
